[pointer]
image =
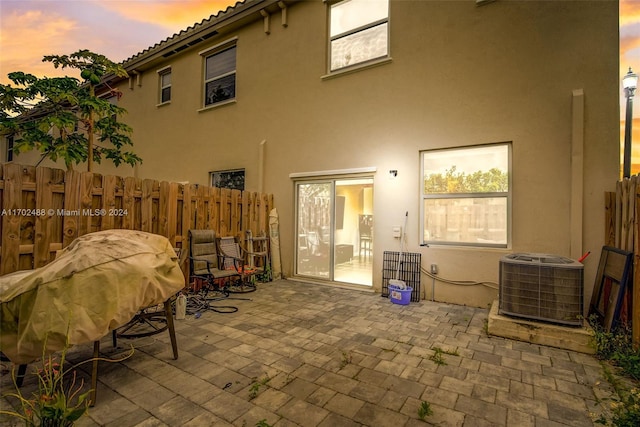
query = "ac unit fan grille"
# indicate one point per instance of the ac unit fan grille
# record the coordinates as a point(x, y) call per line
point(542, 292)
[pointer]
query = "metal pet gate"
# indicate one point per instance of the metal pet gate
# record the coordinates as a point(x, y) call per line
point(409, 271)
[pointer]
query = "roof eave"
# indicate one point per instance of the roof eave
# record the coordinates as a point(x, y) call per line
point(241, 13)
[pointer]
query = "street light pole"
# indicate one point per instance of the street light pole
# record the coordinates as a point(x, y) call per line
point(629, 83)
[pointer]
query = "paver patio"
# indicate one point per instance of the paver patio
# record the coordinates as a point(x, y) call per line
point(313, 355)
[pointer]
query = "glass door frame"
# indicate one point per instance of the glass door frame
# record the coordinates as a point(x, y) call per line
point(334, 180)
point(297, 225)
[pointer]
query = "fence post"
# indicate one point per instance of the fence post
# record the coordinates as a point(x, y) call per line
point(635, 315)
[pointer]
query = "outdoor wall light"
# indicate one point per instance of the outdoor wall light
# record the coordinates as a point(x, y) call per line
point(393, 173)
point(629, 83)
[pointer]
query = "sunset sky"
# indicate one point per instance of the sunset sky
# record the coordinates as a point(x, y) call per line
point(630, 57)
point(30, 29)
point(118, 29)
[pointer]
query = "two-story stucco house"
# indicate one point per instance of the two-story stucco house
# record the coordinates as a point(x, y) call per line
point(491, 127)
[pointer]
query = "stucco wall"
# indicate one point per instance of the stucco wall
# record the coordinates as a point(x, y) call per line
point(460, 75)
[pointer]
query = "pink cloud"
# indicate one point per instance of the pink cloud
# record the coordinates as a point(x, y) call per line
point(629, 12)
point(118, 29)
point(27, 36)
point(173, 15)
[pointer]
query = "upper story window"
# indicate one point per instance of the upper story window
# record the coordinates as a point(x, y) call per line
point(466, 196)
point(220, 76)
point(165, 84)
point(359, 32)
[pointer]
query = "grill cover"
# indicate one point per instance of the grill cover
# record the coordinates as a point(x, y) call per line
point(95, 285)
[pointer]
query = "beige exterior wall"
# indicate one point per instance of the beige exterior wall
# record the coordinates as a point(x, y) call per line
point(460, 75)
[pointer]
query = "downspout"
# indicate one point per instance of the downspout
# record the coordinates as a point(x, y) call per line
point(261, 149)
point(577, 173)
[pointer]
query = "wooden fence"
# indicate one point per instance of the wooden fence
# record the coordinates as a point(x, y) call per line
point(45, 209)
point(622, 231)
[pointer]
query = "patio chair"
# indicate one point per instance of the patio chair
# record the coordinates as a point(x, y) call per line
point(206, 263)
point(237, 258)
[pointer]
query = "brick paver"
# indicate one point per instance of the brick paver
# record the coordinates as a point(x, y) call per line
point(298, 354)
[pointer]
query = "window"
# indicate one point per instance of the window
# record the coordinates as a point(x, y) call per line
point(359, 32)
point(466, 195)
point(233, 179)
point(220, 76)
point(165, 85)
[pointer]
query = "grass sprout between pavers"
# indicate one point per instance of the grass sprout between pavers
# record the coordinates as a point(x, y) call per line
point(254, 390)
point(347, 358)
point(437, 357)
point(425, 411)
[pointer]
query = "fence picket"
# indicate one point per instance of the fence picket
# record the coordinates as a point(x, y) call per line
point(44, 202)
point(225, 212)
point(619, 212)
point(631, 212)
point(235, 208)
point(626, 228)
point(128, 212)
point(146, 205)
point(186, 217)
point(635, 316)
point(172, 213)
point(72, 203)
point(213, 221)
point(11, 202)
point(610, 218)
point(109, 185)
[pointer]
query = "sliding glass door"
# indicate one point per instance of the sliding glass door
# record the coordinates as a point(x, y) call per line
point(314, 224)
point(334, 228)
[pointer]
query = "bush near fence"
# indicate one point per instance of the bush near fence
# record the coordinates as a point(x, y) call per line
point(45, 209)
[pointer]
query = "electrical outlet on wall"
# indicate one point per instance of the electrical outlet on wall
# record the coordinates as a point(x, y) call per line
point(397, 231)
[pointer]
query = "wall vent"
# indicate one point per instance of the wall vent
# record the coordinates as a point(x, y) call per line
point(542, 287)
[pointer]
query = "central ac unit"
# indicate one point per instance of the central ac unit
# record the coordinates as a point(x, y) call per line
point(542, 287)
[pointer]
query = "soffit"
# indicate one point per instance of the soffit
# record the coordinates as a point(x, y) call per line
point(228, 20)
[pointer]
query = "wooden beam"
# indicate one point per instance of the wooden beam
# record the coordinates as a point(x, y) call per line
point(267, 21)
point(283, 8)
